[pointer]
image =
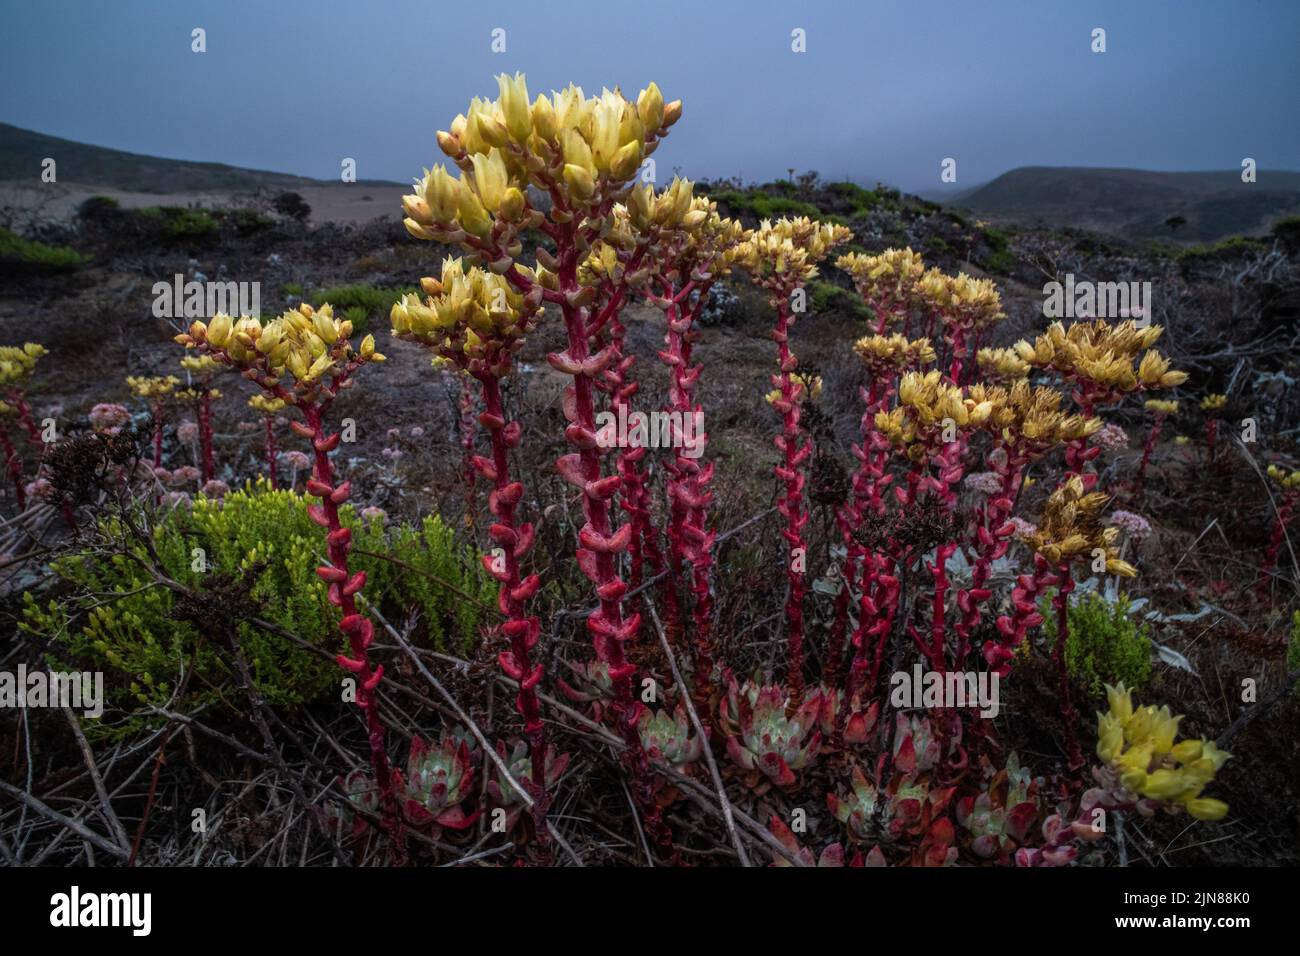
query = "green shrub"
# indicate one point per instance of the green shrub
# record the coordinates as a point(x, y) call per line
point(108, 615)
point(759, 205)
point(1104, 645)
point(292, 288)
point(365, 301)
point(179, 224)
point(247, 221)
point(828, 297)
point(28, 255)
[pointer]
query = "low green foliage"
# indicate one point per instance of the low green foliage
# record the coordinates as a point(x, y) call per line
point(360, 303)
point(1104, 645)
point(28, 255)
point(1000, 258)
point(759, 205)
point(828, 297)
point(179, 224)
point(108, 614)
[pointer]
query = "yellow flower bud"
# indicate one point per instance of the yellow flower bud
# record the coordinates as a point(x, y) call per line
point(1207, 808)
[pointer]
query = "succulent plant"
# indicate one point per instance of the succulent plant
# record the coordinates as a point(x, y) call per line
point(520, 764)
point(999, 818)
point(340, 818)
point(438, 780)
point(831, 856)
point(669, 737)
point(591, 684)
point(762, 739)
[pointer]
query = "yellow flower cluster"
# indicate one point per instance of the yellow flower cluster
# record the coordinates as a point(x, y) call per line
point(926, 404)
point(1139, 745)
point(1071, 528)
point(961, 300)
point(1213, 402)
point(266, 404)
point(682, 235)
point(468, 314)
point(781, 256)
point(304, 344)
point(888, 281)
point(1030, 418)
point(201, 366)
point(892, 353)
point(152, 387)
point(1104, 355)
point(579, 149)
point(17, 363)
point(806, 385)
point(1286, 480)
point(1161, 406)
point(1005, 365)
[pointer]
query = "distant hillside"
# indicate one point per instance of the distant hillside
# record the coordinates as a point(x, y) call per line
point(1136, 203)
point(21, 152)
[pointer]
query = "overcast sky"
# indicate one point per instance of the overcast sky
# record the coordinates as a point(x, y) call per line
point(886, 90)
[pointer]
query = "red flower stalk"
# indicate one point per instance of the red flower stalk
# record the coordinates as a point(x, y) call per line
point(1071, 530)
point(304, 358)
point(202, 394)
point(474, 321)
point(1153, 436)
point(610, 269)
point(269, 450)
point(1290, 484)
point(14, 464)
point(781, 258)
point(468, 434)
point(690, 246)
point(155, 391)
point(269, 407)
point(18, 399)
point(17, 363)
point(582, 154)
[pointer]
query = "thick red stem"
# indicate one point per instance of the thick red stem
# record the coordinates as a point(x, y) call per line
point(343, 586)
point(270, 452)
point(15, 466)
point(790, 471)
point(513, 541)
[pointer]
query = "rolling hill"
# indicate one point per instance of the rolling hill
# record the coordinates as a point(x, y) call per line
point(1136, 203)
point(21, 152)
